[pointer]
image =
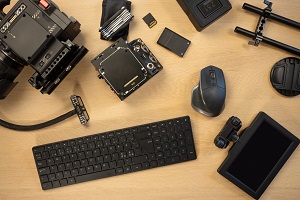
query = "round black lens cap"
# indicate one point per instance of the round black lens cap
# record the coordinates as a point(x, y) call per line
point(285, 76)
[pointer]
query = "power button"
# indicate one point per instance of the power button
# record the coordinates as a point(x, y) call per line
point(44, 3)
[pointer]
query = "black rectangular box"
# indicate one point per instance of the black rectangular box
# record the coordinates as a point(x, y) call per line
point(204, 12)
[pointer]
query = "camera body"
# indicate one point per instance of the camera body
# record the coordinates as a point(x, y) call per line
point(228, 133)
point(37, 33)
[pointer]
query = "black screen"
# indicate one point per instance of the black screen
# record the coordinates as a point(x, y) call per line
point(209, 6)
point(259, 156)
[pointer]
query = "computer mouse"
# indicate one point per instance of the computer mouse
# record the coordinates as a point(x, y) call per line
point(208, 97)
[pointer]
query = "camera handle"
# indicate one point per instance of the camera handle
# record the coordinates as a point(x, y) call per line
point(228, 133)
point(3, 3)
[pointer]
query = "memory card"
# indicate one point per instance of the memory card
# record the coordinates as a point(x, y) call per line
point(150, 20)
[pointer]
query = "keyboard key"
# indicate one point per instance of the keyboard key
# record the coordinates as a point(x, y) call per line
point(66, 158)
point(76, 164)
point(89, 169)
point(53, 169)
point(128, 161)
point(160, 155)
point(136, 167)
point(161, 162)
point(59, 175)
point(138, 152)
point(47, 185)
point(113, 164)
point(71, 181)
point(96, 175)
point(56, 184)
point(175, 152)
point(139, 159)
point(50, 161)
point(96, 152)
point(115, 156)
point(41, 164)
point(120, 163)
point(119, 147)
point(166, 146)
point(63, 182)
point(88, 154)
point(147, 146)
point(182, 150)
point(52, 177)
point(188, 137)
point(43, 171)
point(38, 149)
point(105, 166)
point(127, 169)
point(74, 172)
point(144, 128)
point(119, 171)
point(153, 164)
point(92, 161)
point(82, 171)
point(143, 135)
point(81, 155)
point(152, 156)
point(61, 167)
point(172, 160)
point(67, 174)
point(107, 158)
point(191, 152)
point(131, 153)
point(145, 165)
point(97, 167)
point(44, 178)
point(184, 157)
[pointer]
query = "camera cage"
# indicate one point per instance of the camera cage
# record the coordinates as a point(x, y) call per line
point(38, 34)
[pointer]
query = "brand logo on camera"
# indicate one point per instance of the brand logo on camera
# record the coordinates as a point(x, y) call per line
point(12, 19)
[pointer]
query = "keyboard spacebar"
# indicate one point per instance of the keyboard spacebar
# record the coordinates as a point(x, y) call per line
point(94, 176)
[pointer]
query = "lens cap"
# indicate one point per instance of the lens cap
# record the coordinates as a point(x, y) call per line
point(285, 76)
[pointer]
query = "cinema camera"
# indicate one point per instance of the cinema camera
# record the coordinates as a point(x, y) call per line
point(37, 33)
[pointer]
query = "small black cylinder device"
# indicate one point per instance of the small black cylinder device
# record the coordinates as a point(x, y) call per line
point(204, 12)
point(228, 133)
point(37, 33)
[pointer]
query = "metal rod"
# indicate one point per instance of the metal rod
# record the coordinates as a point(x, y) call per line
point(273, 16)
point(268, 41)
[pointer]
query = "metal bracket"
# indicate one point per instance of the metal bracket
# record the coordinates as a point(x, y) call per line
point(261, 24)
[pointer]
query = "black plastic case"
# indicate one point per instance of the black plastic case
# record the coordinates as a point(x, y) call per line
point(256, 158)
point(204, 12)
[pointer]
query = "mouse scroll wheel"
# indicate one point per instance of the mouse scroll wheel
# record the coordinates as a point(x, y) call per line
point(212, 75)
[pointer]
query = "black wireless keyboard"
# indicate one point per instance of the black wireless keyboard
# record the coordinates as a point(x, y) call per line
point(116, 152)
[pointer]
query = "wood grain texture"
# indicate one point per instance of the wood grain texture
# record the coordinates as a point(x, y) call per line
point(165, 96)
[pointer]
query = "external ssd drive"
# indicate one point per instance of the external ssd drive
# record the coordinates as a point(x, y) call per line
point(174, 42)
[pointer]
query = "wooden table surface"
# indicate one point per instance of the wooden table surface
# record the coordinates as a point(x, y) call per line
point(167, 95)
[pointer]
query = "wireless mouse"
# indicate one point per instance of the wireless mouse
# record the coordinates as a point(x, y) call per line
point(208, 97)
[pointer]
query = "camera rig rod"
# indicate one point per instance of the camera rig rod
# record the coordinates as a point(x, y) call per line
point(273, 16)
point(269, 41)
point(258, 36)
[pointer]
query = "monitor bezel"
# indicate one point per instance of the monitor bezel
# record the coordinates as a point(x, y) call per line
point(242, 142)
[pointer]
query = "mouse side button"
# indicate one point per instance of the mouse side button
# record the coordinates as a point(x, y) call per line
point(220, 78)
point(205, 80)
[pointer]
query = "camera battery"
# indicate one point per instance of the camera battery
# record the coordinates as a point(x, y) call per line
point(204, 12)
